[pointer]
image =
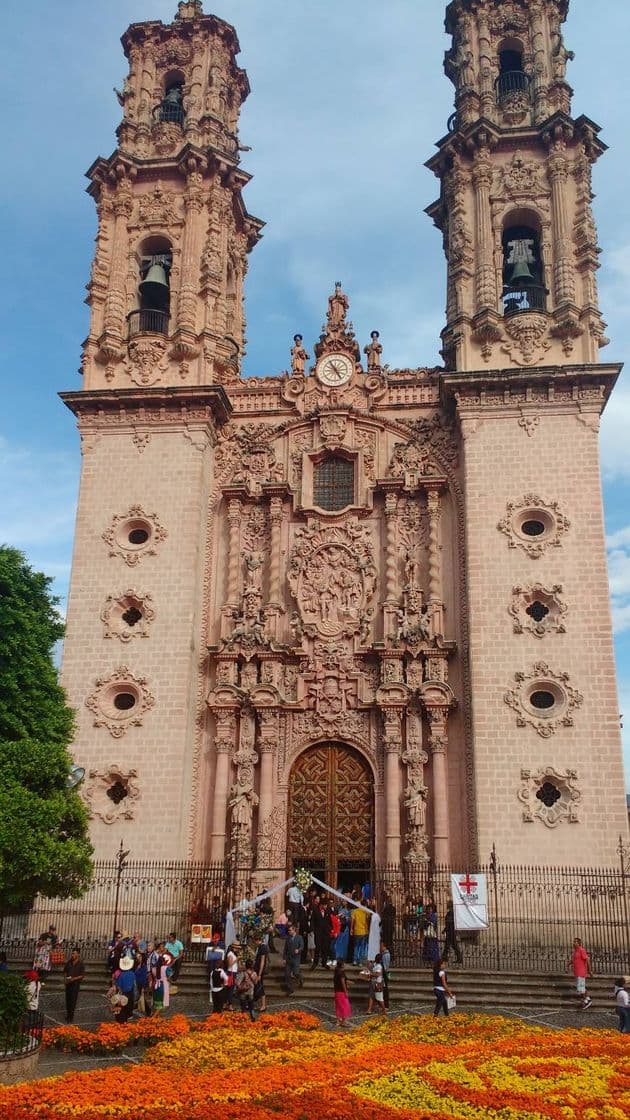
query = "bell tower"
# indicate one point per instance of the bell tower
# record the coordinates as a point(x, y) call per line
point(521, 344)
point(515, 204)
point(166, 291)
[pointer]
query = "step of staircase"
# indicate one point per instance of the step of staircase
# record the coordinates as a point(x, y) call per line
point(474, 989)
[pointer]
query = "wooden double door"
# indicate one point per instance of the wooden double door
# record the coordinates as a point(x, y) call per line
point(331, 815)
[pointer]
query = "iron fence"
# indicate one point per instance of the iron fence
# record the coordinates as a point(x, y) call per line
point(22, 1038)
point(533, 912)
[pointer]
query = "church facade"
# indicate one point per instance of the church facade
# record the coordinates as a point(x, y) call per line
point(346, 616)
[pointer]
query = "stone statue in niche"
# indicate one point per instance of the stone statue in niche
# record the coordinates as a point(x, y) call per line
point(249, 624)
point(253, 569)
point(299, 357)
point(249, 675)
point(373, 352)
point(416, 804)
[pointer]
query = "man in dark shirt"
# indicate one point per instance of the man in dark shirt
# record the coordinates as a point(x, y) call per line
point(292, 959)
point(74, 972)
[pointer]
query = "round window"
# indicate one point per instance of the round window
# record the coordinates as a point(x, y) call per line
point(542, 700)
point(124, 701)
point(533, 528)
point(138, 536)
point(134, 533)
point(534, 524)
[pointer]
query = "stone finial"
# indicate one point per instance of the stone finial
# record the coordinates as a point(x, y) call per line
point(188, 9)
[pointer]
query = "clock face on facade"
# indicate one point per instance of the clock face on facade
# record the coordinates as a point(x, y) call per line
point(335, 369)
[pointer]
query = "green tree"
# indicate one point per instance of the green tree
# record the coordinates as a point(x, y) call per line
point(44, 845)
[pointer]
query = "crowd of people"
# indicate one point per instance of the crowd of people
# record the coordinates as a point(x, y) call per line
point(318, 929)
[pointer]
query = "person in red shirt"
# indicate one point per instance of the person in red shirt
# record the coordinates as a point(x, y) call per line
point(581, 965)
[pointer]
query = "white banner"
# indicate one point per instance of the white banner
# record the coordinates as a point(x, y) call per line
point(470, 900)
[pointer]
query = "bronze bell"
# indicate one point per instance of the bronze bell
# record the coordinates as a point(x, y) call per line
point(521, 274)
point(154, 289)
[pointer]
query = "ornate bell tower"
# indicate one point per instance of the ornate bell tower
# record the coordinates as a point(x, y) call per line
point(166, 291)
point(521, 344)
point(515, 207)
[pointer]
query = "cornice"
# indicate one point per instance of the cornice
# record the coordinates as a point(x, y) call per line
point(133, 406)
point(556, 387)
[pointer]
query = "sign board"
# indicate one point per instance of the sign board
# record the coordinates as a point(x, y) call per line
point(470, 900)
point(200, 934)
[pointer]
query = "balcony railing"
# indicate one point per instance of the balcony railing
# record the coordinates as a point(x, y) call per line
point(171, 111)
point(512, 81)
point(147, 321)
point(530, 298)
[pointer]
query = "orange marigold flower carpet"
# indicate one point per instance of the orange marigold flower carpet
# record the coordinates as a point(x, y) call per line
point(469, 1067)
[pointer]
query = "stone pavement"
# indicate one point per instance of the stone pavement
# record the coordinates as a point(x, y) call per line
point(92, 1010)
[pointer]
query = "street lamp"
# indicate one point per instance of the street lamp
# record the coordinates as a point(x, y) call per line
point(121, 863)
point(75, 777)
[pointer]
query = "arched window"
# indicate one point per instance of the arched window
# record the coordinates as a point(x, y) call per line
point(171, 107)
point(512, 77)
point(333, 483)
point(155, 259)
point(523, 271)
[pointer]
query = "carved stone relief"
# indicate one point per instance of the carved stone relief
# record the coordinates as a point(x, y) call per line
point(538, 610)
point(134, 535)
point(332, 577)
point(127, 615)
point(528, 339)
point(543, 699)
point(550, 796)
point(415, 794)
point(534, 525)
point(147, 361)
point(112, 793)
point(119, 701)
point(243, 800)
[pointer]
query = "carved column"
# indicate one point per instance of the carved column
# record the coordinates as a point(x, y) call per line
point(191, 252)
point(436, 602)
point(485, 277)
point(390, 605)
point(486, 87)
point(224, 745)
point(116, 305)
point(234, 556)
point(415, 794)
point(438, 742)
point(268, 738)
point(243, 800)
point(563, 271)
point(392, 742)
point(541, 75)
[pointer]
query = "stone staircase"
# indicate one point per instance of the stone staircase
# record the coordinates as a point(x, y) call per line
point(475, 990)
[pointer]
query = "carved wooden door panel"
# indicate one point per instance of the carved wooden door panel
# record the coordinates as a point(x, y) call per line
point(331, 815)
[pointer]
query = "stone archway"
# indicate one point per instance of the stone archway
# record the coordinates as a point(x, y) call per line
point(331, 814)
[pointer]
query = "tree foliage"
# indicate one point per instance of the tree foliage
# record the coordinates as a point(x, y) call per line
point(44, 846)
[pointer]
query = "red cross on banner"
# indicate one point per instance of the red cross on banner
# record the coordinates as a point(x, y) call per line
point(468, 883)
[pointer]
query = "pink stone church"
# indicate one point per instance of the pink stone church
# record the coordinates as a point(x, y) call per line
point(346, 616)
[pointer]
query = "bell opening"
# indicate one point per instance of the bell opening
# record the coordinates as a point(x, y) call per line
point(523, 273)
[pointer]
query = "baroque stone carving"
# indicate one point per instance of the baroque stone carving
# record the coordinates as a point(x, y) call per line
point(127, 615)
point(550, 796)
point(243, 800)
point(332, 577)
point(521, 177)
point(158, 207)
point(534, 525)
point(558, 700)
point(415, 797)
point(332, 427)
point(147, 360)
point(410, 462)
point(246, 455)
point(166, 136)
point(309, 726)
point(249, 624)
point(119, 701)
point(438, 432)
point(112, 793)
point(528, 337)
point(134, 535)
point(538, 610)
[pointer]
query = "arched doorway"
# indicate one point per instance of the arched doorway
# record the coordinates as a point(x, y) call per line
point(331, 815)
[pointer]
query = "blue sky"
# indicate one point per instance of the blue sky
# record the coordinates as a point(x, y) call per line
point(347, 102)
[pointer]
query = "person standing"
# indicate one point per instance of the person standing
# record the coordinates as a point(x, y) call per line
point(386, 961)
point(74, 971)
point(218, 987)
point(360, 928)
point(292, 957)
point(125, 981)
point(622, 1004)
point(245, 988)
point(377, 987)
point(343, 1009)
point(440, 986)
point(581, 967)
point(33, 988)
point(260, 968)
point(450, 935)
point(175, 947)
point(231, 967)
